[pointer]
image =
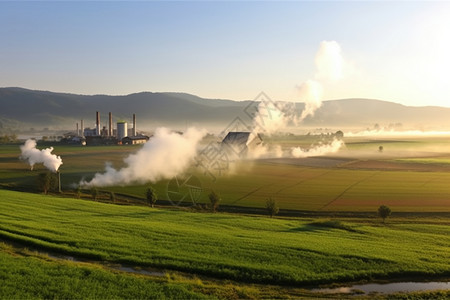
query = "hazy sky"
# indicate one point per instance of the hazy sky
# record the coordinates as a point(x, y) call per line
point(395, 51)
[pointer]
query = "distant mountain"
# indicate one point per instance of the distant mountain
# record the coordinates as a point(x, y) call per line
point(29, 108)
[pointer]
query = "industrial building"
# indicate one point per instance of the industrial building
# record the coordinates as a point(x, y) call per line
point(134, 140)
point(122, 130)
point(102, 135)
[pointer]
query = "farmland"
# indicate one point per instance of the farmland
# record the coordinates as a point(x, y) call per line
point(338, 239)
point(410, 176)
point(294, 252)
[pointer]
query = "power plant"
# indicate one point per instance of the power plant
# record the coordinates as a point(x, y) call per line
point(108, 135)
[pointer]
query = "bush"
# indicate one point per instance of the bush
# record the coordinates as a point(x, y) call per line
point(215, 199)
point(47, 181)
point(272, 207)
point(384, 212)
point(78, 192)
point(151, 196)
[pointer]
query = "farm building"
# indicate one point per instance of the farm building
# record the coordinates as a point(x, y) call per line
point(133, 140)
point(240, 143)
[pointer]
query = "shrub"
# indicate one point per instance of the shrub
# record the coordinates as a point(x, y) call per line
point(272, 207)
point(384, 212)
point(215, 199)
point(47, 181)
point(151, 196)
point(78, 192)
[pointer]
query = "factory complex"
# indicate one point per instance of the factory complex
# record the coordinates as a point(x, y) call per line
point(108, 135)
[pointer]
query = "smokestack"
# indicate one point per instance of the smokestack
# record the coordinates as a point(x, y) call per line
point(59, 182)
point(134, 125)
point(82, 128)
point(78, 130)
point(97, 123)
point(110, 131)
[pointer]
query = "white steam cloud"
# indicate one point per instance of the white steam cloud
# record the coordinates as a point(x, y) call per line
point(165, 155)
point(36, 156)
point(271, 117)
point(311, 92)
point(329, 67)
point(274, 116)
point(329, 61)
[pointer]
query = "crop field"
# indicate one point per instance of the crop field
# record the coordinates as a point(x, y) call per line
point(29, 277)
point(409, 175)
point(297, 252)
point(221, 255)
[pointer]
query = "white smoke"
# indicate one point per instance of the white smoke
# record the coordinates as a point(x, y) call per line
point(329, 67)
point(271, 117)
point(311, 93)
point(165, 155)
point(329, 61)
point(320, 150)
point(36, 156)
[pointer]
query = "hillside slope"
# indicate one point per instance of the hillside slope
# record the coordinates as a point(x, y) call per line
point(48, 109)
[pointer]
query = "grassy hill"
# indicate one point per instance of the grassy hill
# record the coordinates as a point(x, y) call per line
point(28, 108)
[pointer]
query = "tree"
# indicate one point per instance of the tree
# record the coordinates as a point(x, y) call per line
point(384, 212)
point(272, 207)
point(151, 196)
point(94, 193)
point(78, 192)
point(380, 149)
point(214, 198)
point(339, 134)
point(47, 181)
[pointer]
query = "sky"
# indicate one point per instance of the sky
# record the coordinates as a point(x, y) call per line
point(393, 51)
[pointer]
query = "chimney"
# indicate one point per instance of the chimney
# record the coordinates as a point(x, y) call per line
point(97, 123)
point(78, 130)
point(82, 129)
point(134, 125)
point(110, 132)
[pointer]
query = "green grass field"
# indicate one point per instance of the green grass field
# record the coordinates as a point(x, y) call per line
point(294, 187)
point(288, 253)
point(249, 249)
point(29, 277)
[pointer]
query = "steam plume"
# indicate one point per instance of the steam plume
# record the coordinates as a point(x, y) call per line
point(329, 66)
point(36, 156)
point(311, 93)
point(166, 155)
point(271, 117)
point(329, 61)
